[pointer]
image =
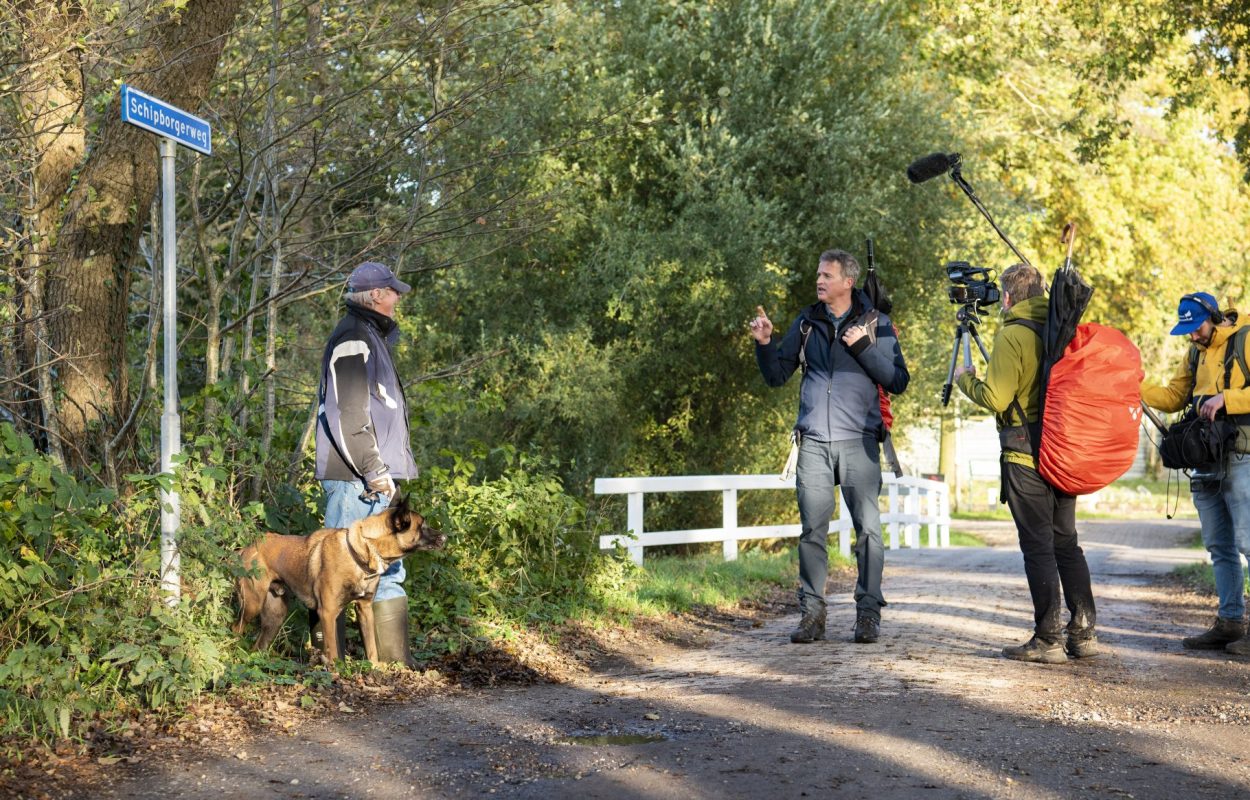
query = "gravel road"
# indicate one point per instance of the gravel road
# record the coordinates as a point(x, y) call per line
point(930, 711)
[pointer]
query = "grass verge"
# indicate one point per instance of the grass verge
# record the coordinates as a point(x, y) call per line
point(1198, 577)
point(677, 584)
point(966, 539)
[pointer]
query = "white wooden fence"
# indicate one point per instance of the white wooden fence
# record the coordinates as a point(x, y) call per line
point(910, 503)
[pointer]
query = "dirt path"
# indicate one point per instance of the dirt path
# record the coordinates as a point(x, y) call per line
point(931, 710)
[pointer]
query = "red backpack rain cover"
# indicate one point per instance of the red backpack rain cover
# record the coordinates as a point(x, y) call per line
point(1092, 411)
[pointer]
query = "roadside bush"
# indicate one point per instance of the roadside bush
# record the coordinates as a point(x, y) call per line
point(519, 548)
point(83, 625)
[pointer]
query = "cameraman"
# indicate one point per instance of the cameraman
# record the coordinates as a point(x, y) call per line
point(849, 348)
point(1223, 504)
point(1045, 517)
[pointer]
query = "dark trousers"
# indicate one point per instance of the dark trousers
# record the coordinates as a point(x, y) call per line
point(1046, 523)
point(856, 467)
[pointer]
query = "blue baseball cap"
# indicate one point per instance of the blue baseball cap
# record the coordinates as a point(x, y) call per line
point(372, 275)
point(1194, 309)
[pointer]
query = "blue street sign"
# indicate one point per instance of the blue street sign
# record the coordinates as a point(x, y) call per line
point(163, 119)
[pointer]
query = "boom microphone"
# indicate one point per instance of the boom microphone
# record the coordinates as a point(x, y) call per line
point(931, 166)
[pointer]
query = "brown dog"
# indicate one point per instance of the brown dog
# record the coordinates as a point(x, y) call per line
point(328, 569)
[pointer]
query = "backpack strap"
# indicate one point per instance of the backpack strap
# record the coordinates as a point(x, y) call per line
point(805, 333)
point(1236, 351)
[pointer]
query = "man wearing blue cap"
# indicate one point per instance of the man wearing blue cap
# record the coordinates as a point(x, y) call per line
point(1215, 383)
point(362, 433)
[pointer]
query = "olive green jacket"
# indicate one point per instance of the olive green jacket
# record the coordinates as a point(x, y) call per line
point(1014, 372)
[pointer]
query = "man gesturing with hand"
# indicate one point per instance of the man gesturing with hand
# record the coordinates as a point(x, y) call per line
point(845, 349)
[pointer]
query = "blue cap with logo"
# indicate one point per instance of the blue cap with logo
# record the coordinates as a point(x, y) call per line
point(1194, 309)
point(372, 275)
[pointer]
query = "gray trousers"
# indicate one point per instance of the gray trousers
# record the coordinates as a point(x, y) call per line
point(856, 467)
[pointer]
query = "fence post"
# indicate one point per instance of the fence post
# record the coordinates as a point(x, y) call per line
point(846, 527)
point(944, 528)
point(911, 507)
point(729, 521)
point(893, 511)
point(933, 511)
point(633, 521)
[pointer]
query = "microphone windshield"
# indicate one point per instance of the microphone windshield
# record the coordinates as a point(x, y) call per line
point(931, 166)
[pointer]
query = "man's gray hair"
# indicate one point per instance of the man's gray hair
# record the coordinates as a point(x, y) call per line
point(845, 261)
point(364, 298)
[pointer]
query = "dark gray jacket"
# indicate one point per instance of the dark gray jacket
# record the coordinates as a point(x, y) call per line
point(838, 398)
point(362, 425)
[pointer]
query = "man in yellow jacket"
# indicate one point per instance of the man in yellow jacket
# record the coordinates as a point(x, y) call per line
point(1221, 492)
point(1045, 517)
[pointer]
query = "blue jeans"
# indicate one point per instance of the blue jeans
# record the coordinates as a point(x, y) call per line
point(343, 507)
point(1224, 510)
point(856, 467)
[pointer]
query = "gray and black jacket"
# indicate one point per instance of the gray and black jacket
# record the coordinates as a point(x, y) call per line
point(838, 398)
point(362, 426)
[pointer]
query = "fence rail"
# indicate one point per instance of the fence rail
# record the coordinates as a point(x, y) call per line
point(910, 503)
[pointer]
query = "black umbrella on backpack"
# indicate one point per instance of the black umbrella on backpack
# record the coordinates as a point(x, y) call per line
point(872, 285)
point(1069, 295)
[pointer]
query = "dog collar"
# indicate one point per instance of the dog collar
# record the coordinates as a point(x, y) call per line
point(365, 563)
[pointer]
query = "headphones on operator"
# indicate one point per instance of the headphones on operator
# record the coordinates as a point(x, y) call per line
point(1216, 316)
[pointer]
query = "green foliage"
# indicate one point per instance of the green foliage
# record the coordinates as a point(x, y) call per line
point(718, 176)
point(81, 628)
point(84, 627)
point(519, 548)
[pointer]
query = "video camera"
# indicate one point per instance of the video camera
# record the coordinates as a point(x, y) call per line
point(973, 286)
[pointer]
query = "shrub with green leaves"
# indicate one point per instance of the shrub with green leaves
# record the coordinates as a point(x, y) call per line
point(519, 547)
point(83, 624)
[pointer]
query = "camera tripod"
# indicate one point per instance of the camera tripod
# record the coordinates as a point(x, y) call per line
point(965, 334)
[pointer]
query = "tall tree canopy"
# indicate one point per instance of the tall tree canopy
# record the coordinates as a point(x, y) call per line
point(591, 198)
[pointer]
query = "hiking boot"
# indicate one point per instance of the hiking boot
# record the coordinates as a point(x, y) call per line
point(1038, 651)
point(1241, 647)
point(1082, 645)
point(1223, 632)
point(867, 629)
point(811, 627)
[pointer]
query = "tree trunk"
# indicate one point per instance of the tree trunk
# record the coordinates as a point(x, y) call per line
point(87, 208)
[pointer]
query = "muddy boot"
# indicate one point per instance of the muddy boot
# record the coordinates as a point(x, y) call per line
point(1038, 651)
point(811, 627)
point(1241, 647)
point(1081, 641)
point(1223, 632)
point(1082, 645)
point(867, 628)
point(390, 626)
point(318, 638)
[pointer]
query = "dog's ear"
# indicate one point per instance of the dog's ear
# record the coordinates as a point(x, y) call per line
point(401, 515)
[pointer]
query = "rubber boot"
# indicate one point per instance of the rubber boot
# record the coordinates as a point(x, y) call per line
point(390, 626)
point(318, 639)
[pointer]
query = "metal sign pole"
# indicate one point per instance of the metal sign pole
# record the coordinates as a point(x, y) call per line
point(174, 127)
point(171, 423)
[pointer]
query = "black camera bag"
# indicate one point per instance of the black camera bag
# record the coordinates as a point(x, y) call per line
point(1194, 442)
